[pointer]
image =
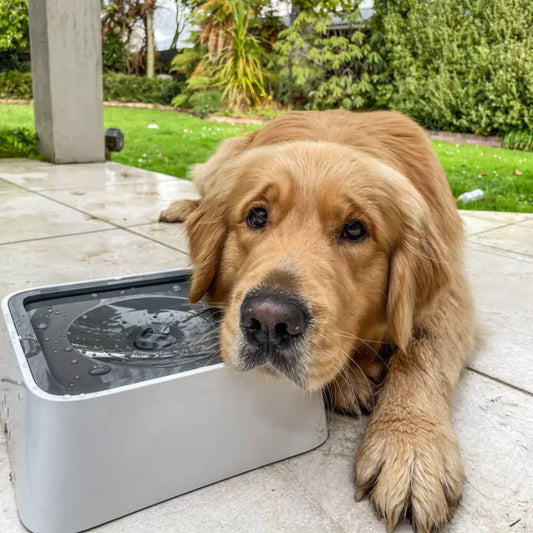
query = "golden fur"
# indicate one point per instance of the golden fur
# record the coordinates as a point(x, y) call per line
point(403, 286)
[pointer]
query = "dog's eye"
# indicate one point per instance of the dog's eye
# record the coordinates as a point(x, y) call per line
point(354, 231)
point(257, 218)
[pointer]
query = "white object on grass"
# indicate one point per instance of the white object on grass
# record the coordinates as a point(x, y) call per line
point(471, 196)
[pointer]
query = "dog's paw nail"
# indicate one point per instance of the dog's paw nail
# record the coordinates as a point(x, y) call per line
point(359, 494)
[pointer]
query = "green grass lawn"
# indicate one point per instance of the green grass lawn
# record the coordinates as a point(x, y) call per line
point(181, 140)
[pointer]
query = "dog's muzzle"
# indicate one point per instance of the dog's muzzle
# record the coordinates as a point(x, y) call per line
point(274, 326)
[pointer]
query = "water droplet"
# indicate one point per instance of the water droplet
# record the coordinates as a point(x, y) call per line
point(63, 314)
point(55, 351)
point(84, 317)
point(57, 313)
point(94, 295)
point(74, 361)
point(76, 378)
point(176, 288)
point(70, 385)
point(98, 370)
point(49, 309)
point(46, 339)
point(68, 348)
point(56, 342)
point(42, 325)
point(83, 351)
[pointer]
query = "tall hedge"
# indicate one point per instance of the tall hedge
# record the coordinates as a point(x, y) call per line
point(117, 87)
point(131, 88)
point(461, 65)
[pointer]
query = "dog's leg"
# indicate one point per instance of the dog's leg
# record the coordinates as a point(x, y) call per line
point(409, 459)
point(355, 389)
point(179, 211)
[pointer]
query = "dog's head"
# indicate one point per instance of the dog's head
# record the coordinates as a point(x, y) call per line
point(313, 249)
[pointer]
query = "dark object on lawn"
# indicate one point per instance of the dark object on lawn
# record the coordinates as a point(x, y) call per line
point(114, 141)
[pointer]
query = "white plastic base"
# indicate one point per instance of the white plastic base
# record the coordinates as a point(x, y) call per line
point(79, 461)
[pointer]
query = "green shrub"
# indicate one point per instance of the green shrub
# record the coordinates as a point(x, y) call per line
point(519, 140)
point(202, 103)
point(16, 85)
point(117, 87)
point(19, 142)
point(130, 88)
point(206, 103)
point(326, 69)
point(461, 65)
point(181, 100)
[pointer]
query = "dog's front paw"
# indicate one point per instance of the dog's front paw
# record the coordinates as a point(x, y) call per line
point(411, 468)
point(179, 211)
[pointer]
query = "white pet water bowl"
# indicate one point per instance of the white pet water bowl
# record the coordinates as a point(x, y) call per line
point(114, 398)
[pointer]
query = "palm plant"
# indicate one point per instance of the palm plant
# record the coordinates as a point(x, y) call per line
point(229, 52)
point(216, 20)
point(240, 69)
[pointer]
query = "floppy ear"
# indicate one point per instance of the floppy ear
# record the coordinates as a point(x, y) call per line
point(206, 228)
point(420, 269)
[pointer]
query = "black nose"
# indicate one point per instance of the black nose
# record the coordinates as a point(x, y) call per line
point(271, 319)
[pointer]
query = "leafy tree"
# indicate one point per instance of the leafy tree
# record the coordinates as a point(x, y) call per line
point(113, 52)
point(14, 31)
point(325, 68)
point(119, 20)
point(147, 12)
point(183, 19)
point(14, 35)
point(323, 7)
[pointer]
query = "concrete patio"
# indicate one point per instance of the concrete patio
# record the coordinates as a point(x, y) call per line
point(77, 222)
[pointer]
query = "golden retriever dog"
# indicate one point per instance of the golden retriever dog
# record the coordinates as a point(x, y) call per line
point(332, 241)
